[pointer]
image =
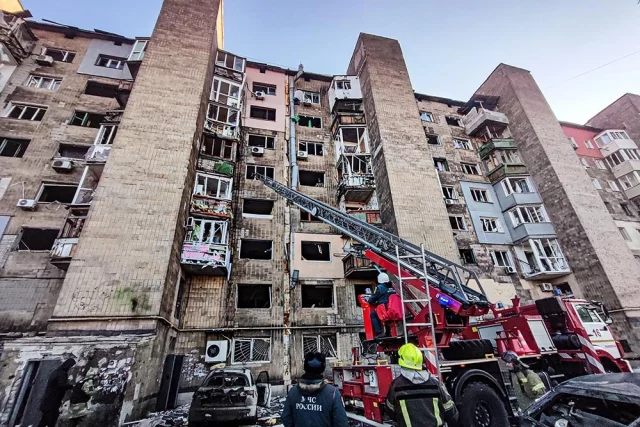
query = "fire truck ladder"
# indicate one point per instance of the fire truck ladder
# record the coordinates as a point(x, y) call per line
point(434, 270)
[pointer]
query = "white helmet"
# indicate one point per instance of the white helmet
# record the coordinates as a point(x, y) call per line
point(383, 278)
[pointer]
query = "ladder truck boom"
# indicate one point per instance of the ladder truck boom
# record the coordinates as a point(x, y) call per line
point(387, 249)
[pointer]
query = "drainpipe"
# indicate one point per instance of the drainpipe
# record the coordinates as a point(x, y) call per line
point(292, 128)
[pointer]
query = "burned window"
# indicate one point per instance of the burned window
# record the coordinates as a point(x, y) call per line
point(325, 344)
point(13, 147)
point(441, 164)
point(261, 207)
point(212, 186)
point(433, 139)
point(208, 232)
point(307, 217)
point(317, 296)
point(360, 290)
point(85, 119)
point(261, 141)
point(60, 193)
point(246, 350)
point(467, 256)
point(267, 89)
point(37, 239)
point(453, 121)
point(262, 170)
point(312, 148)
point(101, 89)
point(310, 122)
point(26, 112)
point(253, 296)
point(353, 134)
point(457, 222)
point(310, 97)
point(217, 147)
point(69, 151)
point(60, 55)
point(470, 168)
point(256, 249)
point(312, 179)
point(226, 380)
point(315, 251)
point(262, 113)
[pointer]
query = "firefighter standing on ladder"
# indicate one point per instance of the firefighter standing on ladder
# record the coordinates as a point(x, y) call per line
point(415, 397)
point(380, 295)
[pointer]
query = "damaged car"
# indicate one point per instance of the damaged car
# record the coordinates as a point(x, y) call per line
point(229, 394)
point(608, 400)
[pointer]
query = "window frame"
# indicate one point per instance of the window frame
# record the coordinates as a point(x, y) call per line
point(462, 144)
point(584, 162)
point(473, 256)
point(236, 58)
point(13, 105)
point(345, 83)
point(588, 144)
point(484, 220)
point(266, 168)
point(265, 88)
point(220, 179)
point(324, 178)
point(626, 209)
point(232, 95)
point(518, 217)
point(230, 112)
point(318, 338)
point(65, 54)
point(110, 134)
point(311, 118)
point(428, 117)
point(253, 108)
point(453, 192)
point(459, 219)
point(53, 85)
point(256, 240)
point(625, 234)
point(457, 119)
point(574, 144)
point(485, 192)
point(266, 139)
point(315, 147)
point(239, 285)
point(465, 167)
point(252, 344)
point(596, 184)
point(613, 185)
point(444, 162)
point(600, 164)
point(118, 61)
point(136, 53)
point(505, 255)
point(19, 241)
point(221, 224)
point(316, 260)
point(508, 188)
point(54, 184)
point(313, 95)
point(254, 215)
point(23, 145)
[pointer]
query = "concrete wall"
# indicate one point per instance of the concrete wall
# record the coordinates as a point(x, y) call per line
point(277, 102)
point(108, 48)
point(621, 114)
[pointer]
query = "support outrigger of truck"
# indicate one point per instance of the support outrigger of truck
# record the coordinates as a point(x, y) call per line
point(557, 338)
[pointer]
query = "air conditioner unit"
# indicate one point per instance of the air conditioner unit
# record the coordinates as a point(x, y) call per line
point(257, 151)
point(509, 270)
point(303, 154)
point(547, 287)
point(62, 165)
point(27, 204)
point(449, 201)
point(44, 60)
point(259, 94)
point(216, 351)
point(190, 223)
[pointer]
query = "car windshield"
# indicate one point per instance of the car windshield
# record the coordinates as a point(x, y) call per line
point(579, 411)
point(587, 314)
point(223, 379)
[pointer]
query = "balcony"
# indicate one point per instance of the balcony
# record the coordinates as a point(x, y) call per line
point(610, 141)
point(211, 207)
point(541, 259)
point(347, 120)
point(477, 118)
point(211, 259)
point(359, 268)
point(495, 144)
point(65, 245)
point(212, 165)
point(632, 192)
point(626, 167)
point(344, 87)
point(124, 90)
point(137, 55)
point(506, 169)
point(371, 217)
point(526, 231)
point(16, 36)
point(97, 154)
point(229, 66)
point(88, 184)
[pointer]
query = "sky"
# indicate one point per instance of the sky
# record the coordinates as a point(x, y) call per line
point(450, 47)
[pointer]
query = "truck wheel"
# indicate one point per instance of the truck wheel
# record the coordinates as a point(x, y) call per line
point(467, 349)
point(480, 406)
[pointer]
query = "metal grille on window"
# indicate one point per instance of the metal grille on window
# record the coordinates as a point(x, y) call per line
point(251, 350)
point(325, 344)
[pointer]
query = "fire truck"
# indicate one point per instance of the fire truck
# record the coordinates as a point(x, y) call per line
point(445, 312)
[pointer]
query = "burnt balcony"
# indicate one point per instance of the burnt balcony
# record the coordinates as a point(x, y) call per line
point(506, 169)
point(88, 185)
point(97, 154)
point(541, 259)
point(356, 267)
point(495, 144)
point(229, 66)
point(343, 88)
point(356, 187)
point(217, 155)
point(137, 55)
point(124, 90)
point(16, 36)
point(478, 118)
point(211, 207)
point(211, 259)
point(371, 217)
point(65, 245)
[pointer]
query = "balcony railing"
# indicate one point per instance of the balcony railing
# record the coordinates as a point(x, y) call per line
point(495, 144)
point(356, 187)
point(222, 129)
point(506, 169)
point(65, 245)
point(213, 165)
point(212, 259)
point(356, 267)
point(477, 118)
point(16, 36)
point(219, 208)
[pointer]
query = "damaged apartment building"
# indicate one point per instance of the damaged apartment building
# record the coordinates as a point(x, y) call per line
point(135, 237)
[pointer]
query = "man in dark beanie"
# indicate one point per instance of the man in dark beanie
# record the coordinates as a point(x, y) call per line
point(312, 403)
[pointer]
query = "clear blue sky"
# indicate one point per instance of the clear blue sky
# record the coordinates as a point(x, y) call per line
point(450, 46)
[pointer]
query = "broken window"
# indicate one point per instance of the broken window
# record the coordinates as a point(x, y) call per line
point(252, 170)
point(26, 112)
point(263, 113)
point(42, 82)
point(307, 217)
point(626, 209)
point(13, 147)
point(59, 55)
point(316, 296)
point(453, 121)
point(225, 92)
point(501, 258)
point(267, 89)
point(208, 231)
point(433, 139)
point(246, 350)
point(343, 84)
point(449, 192)
point(217, 147)
point(462, 144)
point(312, 148)
point(325, 344)
point(106, 134)
point(69, 151)
point(260, 207)
point(516, 185)
point(441, 164)
point(261, 141)
point(37, 239)
point(82, 118)
point(549, 253)
point(310, 122)
point(491, 225)
point(312, 179)
point(310, 97)
point(61, 193)
point(527, 215)
point(315, 251)
point(353, 134)
point(101, 89)
point(110, 62)
point(479, 195)
point(222, 114)
point(253, 296)
point(256, 249)
point(426, 117)
point(229, 60)
point(467, 256)
point(457, 222)
point(361, 290)
point(348, 106)
point(470, 168)
point(213, 186)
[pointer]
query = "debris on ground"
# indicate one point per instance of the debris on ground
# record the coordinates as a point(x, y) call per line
point(173, 418)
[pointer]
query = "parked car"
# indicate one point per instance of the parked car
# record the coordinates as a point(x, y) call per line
point(229, 394)
point(608, 400)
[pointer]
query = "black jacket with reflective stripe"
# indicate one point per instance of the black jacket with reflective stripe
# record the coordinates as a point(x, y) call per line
point(424, 404)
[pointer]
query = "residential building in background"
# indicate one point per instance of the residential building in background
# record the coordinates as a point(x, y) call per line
point(135, 238)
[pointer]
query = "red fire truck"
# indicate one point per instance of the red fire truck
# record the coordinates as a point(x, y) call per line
point(558, 338)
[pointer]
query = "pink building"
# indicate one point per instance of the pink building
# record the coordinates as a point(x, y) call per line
point(583, 139)
point(265, 105)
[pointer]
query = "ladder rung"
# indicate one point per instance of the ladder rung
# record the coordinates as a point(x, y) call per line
point(410, 256)
point(415, 300)
point(418, 324)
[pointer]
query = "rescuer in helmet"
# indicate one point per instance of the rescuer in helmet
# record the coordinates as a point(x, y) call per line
point(530, 383)
point(380, 296)
point(415, 397)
